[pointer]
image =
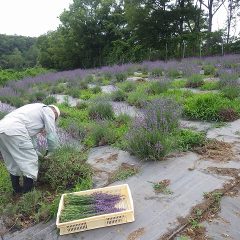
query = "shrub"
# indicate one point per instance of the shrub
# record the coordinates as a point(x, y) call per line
point(118, 96)
point(96, 89)
point(82, 105)
point(120, 77)
point(179, 83)
point(64, 169)
point(50, 100)
point(107, 76)
point(151, 137)
point(86, 94)
point(128, 86)
point(89, 78)
point(83, 85)
point(156, 72)
point(73, 91)
point(231, 92)
point(148, 145)
point(137, 99)
point(228, 79)
point(173, 73)
point(123, 118)
point(76, 130)
point(213, 85)
point(59, 88)
point(195, 81)
point(37, 97)
point(158, 87)
point(230, 86)
point(209, 69)
point(101, 110)
point(188, 139)
point(102, 135)
point(162, 115)
point(33, 207)
point(13, 100)
point(207, 106)
point(5, 186)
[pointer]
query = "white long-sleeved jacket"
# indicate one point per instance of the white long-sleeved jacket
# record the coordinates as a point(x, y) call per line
point(30, 120)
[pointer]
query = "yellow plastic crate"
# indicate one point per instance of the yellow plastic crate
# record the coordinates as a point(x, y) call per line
point(99, 221)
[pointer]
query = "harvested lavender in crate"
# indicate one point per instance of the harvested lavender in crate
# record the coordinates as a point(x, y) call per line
point(84, 206)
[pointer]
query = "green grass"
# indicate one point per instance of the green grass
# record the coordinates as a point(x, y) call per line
point(5, 186)
point(208, 106)
point(214, 85)
point(179, 83)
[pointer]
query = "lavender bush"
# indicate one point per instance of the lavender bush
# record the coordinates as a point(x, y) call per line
point(151, 136)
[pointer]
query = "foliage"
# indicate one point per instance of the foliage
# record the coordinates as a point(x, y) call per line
point(17, 52)
point(137, 99)
point(50, 100)
point(151, 137)
point(2, 115)
point(148, 145)
point(208, 106)
point(188, 139)
point(231, 92)
point(195, 81)
point(173, 73)
point(96, 89)
point(156, 72)
point(124, 172)
point(100, 110)
point(158, 87)
point(73, 91)
point(101, 135)
point(11, 74)
point(127, 86)
point(162, 186)
point(64, 169)
point(118, 96)
point(82, 105)
point(178, 83)
point(210, 85)
point(120, 77)
point(209, 69)
point(5, 186)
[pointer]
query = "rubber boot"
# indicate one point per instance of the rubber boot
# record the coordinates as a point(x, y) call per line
point(15, 184)
point(27, 184)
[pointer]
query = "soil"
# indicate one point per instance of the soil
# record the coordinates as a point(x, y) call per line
point(136, 234)
point(216, 150)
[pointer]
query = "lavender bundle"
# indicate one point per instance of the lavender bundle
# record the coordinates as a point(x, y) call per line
point(78, 207)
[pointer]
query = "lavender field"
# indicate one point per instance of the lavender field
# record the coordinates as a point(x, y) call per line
point(152, 114)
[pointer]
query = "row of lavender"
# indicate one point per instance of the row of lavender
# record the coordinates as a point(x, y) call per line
point(229, 63)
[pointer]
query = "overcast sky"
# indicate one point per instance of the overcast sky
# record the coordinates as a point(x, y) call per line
point(30, 17)
point(36, 17)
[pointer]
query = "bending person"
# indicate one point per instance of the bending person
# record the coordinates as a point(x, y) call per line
point(18, 131)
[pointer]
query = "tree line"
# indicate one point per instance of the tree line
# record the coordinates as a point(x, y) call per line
point(18, 52)
point(94, 33)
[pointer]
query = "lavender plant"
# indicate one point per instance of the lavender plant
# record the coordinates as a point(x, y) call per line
point(84, 206)
point(100, 110)
point(151, 136)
